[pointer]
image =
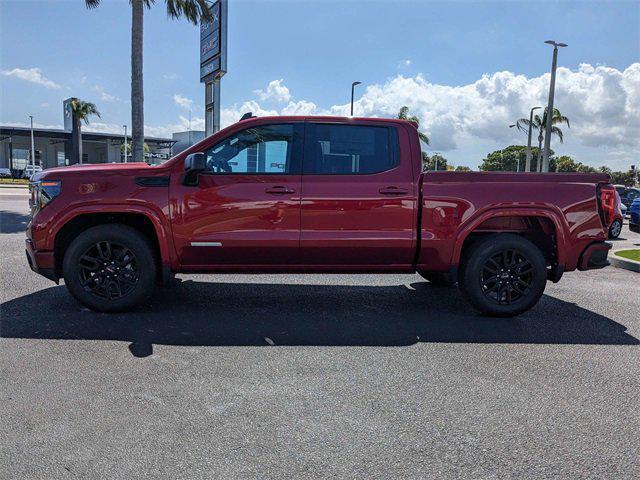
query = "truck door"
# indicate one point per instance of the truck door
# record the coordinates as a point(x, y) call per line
point(358, 197)
point(245, 210)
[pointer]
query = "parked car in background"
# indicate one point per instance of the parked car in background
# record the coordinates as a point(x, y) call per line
point(5, 173)
point(620, 189)
point(624, 210)
point(312, 195)
point(629, 195)
point(634, 216)
point(30, 170)
point(615, 228)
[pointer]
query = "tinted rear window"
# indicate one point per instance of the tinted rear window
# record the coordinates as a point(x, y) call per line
point(348, 149)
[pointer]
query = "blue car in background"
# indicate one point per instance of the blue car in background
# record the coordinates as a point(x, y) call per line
point(634, 219)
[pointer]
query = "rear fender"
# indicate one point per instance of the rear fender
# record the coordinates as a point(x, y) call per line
point(555, 217)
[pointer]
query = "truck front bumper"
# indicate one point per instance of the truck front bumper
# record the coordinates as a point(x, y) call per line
point(41, 262)
point(595, 256)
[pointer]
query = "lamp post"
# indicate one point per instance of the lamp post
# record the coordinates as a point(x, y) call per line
point(518, 155)
point(552, 87)
point(125, 143)
point(33, 149)
point(527, 166)
point(353, 87)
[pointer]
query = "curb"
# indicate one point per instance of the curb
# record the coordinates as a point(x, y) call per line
point(13, 185)
point(624, 262)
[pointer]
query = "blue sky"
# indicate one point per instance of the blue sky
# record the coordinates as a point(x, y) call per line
point(317, 48)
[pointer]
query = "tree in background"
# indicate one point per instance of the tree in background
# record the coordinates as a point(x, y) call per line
point(565, 163)
point(403, 114)
point(81, 111)
point(622, 178)
point(430, 162)
point(506, 160)
point(194, 11)
point(146, 149)
point(539, 123)
point(462, 168)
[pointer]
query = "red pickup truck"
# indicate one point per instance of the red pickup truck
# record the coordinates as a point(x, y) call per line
point(309, 195)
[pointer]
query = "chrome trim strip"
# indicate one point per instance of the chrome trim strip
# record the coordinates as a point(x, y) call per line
point(206, 244)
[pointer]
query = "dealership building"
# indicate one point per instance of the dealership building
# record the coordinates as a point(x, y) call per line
point(52, 147)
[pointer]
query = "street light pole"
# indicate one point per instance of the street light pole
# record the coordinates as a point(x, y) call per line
point(527, 166)
point(353, 86)
point(125, 143)
point(518, 154)
point(33, 149)
point(552, 87)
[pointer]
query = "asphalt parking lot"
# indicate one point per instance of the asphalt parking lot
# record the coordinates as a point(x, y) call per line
point(281, 376)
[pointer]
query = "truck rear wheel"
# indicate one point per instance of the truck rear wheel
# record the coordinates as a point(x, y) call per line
point(504, 275)
point(110, 268)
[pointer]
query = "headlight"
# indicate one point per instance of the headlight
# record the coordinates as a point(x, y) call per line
point(42, 192)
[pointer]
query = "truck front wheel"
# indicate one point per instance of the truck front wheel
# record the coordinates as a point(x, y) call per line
point(504, 275)
point(110, 268)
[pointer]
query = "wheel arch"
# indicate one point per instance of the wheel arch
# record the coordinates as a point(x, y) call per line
point(144, 220)
point(544, 227)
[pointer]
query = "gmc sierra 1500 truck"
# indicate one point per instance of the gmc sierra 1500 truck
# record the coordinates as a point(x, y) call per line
point(308, 195)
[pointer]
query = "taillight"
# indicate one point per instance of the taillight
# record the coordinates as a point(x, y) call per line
point(607, 204)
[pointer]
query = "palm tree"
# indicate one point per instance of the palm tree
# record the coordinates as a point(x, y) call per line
point(403, 114)
point(540, 124)
point(81, 112)
point(193, 11)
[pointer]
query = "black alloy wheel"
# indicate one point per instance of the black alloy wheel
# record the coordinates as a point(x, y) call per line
point(108, 270)
point(506, 277)
point(503, 274)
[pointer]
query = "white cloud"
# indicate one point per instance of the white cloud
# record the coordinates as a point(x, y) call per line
point(182, 101)
point(275, 91)
point(170, 76)
point(468, 121)
point(104, 96)
point(33, 75)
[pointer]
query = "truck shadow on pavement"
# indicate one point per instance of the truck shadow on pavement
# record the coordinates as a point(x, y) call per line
point(12, 222)
point(255, 314)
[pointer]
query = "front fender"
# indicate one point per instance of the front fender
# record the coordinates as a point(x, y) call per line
point(157, 218)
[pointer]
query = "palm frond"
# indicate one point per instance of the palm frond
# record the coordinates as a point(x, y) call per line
point(83, 110)
point(558, 132)
point(522, 123)
point(193, 10)
point(414, 119)
point(402, 114)
point(90, 4)
point(423, 136)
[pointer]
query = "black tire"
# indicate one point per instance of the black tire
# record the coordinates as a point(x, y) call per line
point(441, 279)
point(615, 229)
point(110, 268)
point(503, 275)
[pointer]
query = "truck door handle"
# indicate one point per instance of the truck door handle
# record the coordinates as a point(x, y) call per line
point(278, 190)
point(393, 191)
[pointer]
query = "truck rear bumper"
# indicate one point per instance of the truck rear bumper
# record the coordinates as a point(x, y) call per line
point(41, 262)
point(595, 256)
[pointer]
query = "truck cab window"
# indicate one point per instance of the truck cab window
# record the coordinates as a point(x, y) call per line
point(261, 150)
point(348, 149)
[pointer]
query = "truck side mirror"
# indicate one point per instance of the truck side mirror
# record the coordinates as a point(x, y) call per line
point(194, 164)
